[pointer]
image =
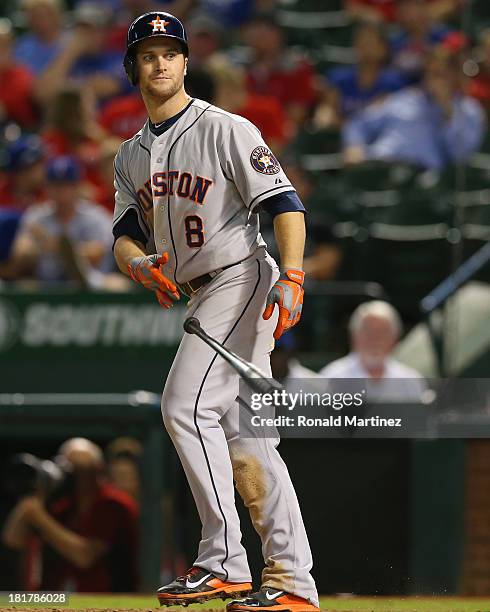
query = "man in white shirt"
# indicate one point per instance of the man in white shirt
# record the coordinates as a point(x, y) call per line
point(375, 327)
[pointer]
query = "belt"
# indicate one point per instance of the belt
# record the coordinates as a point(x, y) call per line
point(197, 283)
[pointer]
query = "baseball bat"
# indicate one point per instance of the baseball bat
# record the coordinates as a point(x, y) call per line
point(255, 378)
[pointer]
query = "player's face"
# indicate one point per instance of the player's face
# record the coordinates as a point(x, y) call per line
point(161, 67)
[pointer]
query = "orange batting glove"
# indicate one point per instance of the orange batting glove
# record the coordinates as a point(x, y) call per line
point(287, 293)
point(147, 271)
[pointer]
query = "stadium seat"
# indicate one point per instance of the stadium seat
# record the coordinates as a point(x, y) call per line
point(321, 28)
point(368, 191)
point(421, 206)
point(468, 191)
point(328, 201)
point(310, 28)
point(352, 240)
point(8, 8)
point(369, 176)
point(395, 193)
point(408, 261)
point(471, 176)
point(474, 207)
point(317, 150)
point(479, 16)
point(485, 146)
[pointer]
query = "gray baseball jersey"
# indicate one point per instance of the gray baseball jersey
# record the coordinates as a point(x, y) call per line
point(194, 189)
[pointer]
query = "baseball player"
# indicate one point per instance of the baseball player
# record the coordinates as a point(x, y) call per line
point(189, 185)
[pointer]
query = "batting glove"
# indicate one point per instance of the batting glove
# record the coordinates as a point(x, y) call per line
point(147, 271)
point(287, 293)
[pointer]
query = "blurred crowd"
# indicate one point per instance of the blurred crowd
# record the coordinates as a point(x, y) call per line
point(403, 82)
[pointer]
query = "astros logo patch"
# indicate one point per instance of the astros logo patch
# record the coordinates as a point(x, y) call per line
point(158, 24)
point(263, 161)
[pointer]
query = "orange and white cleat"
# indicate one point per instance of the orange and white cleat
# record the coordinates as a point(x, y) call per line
point(197, 586)
point(271, 599)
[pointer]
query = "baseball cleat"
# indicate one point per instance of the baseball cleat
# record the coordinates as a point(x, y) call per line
point(271, 599)
point(197, 586)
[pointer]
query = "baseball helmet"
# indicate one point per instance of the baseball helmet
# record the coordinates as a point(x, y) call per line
point(156, 23)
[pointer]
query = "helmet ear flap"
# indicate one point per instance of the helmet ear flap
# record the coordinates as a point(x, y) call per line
point(131, 68)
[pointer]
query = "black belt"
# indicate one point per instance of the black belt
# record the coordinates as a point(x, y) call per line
point(197, 283)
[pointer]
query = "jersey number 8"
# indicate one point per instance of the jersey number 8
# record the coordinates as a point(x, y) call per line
point(194, 231)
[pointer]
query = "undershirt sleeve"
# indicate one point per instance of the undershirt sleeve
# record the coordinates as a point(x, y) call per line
point(288, 201)
point(128, 225)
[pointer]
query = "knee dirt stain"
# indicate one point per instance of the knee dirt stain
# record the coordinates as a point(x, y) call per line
point(251, 483)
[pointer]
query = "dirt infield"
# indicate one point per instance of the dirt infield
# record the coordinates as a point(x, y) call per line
point(146, 603)
point(174, 609)
point(364, 608)
point(34, 609)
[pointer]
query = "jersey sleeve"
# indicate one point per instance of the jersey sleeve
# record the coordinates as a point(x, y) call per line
point(126, 198)
point(248, 162)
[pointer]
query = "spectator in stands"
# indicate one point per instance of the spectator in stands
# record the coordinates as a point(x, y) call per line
point(375, 327)
point(370, 78)
point(123, 465)
point(16, 84)
point(72, 130)
point(205, 36)
point(386, 10)
point(322, 253)
point(105, 192)
point(417, 35)
point(200, 84)
point(372, 10)
point(479, 85)
point(429, 126)
point(9, 223)
point(66, 238)
point(45, 36)
point(90, 532)
point(123, 116)
point(264, 111)
point(84, 60)
point(230, 14)
point(23, 183)
point(276, 70)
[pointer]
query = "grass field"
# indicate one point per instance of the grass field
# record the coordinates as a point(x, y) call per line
point(330, 604)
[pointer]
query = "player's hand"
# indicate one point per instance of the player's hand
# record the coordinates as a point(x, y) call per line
point(287, 293)
point(147, 271)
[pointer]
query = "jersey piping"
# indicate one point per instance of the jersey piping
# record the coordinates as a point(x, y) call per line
point(268, 191)
point(169, 217)
point(199, 431)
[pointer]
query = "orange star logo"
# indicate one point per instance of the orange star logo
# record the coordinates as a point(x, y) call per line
point(158, 24)
point(265, 160)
